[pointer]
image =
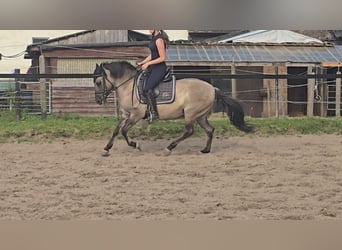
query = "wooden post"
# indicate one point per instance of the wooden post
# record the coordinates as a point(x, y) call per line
point(269, 85)
point(268, 100)
point(310, 94)
point(276, 92)
point(233, 71)
point(338, 94)
point(321, 88)
point(282, 92)
point(43, 102)
point(17, 96)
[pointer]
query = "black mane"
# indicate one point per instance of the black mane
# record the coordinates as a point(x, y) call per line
point(118, 69)
point(97, 72)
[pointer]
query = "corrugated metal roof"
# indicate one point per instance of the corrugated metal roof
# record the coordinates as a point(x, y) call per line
point(254, 53)
point(272, 36)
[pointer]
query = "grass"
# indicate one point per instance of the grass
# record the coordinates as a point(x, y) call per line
point(33, 128)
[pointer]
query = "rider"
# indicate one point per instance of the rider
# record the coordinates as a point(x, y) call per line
point(155, 63)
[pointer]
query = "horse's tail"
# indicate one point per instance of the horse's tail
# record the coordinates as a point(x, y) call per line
point(234, 111)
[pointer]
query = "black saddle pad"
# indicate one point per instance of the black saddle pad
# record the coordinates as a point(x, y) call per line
point(164, 92)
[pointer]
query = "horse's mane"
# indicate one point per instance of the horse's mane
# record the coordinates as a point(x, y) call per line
point(119, 68)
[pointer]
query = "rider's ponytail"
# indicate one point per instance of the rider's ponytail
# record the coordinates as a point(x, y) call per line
point(165, 38)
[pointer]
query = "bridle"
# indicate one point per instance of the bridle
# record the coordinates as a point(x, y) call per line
point(105, 92)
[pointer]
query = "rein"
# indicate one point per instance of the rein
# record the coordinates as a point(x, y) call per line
point(114, 88)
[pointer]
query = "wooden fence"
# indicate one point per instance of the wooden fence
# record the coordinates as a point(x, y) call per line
point(43, 97)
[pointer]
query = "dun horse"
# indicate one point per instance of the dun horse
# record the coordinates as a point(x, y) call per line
point(193, 101)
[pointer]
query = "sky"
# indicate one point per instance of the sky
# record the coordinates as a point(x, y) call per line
point(14, 42)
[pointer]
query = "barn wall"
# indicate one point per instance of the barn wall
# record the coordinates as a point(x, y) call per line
point(248, 91)
point(111, 53)
point(297, 92)
point(80, 100)
point(77, 95)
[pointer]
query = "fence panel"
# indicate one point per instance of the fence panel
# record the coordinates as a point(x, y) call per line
point(7, 95)
point(29, 96)
point(74, 93)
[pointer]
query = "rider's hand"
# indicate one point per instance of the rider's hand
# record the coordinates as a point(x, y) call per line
point(144, 66)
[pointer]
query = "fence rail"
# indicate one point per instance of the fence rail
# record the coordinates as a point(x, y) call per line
point(181, 75)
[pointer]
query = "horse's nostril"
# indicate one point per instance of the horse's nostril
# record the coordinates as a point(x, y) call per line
point(98, 100)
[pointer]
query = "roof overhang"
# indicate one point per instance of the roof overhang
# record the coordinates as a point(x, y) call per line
point(331, 64)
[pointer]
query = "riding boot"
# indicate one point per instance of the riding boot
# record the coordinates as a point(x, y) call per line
point(153, 106)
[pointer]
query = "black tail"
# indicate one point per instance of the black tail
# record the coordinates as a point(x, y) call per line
point(234, 111)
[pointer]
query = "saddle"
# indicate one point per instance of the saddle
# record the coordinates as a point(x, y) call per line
point(164, 92)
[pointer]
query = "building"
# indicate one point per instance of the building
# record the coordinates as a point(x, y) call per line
point(78, 54)
point(214, 59)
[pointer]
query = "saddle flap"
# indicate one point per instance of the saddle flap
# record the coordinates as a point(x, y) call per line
point(164, 92)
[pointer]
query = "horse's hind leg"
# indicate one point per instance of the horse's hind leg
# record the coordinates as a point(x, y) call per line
point(189, 130)
point(124, 130)
point(203, 122)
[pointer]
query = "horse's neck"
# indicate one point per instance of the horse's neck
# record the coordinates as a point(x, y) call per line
point(125, 92)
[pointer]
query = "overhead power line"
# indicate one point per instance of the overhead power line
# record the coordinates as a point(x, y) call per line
point(13, 56)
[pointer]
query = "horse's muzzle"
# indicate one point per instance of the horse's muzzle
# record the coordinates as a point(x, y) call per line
point(99, 99)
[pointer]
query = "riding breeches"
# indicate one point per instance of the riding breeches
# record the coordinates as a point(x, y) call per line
point(154, 76)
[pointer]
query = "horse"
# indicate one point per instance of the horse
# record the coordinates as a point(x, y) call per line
point(193, 102)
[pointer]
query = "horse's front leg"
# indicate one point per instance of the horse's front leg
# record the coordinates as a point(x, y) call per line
point(111, 140)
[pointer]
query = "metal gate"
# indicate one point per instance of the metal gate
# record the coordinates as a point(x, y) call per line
point(25, 96)
point(7, 94)
point(331, 98)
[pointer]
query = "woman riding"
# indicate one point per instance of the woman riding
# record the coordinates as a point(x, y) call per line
point(156, 68)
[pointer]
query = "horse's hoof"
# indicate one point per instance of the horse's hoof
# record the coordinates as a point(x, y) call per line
point(105, 153)
point(167, 152)
point(138, 146)
point(205, 151)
